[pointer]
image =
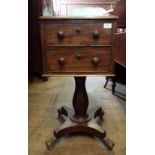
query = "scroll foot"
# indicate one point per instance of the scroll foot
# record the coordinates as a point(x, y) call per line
point(108, 142)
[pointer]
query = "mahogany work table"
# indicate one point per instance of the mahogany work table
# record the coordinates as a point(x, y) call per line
point(78, 47)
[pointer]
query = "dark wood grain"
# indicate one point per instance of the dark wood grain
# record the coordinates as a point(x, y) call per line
point(120, 11)
point(78, 59)
point(120, 48)
point(80, 100)
point(73, 43)
point(71, 37)
point(34, 48)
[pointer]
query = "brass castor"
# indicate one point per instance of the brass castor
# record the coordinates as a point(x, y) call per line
point(99, 113)
point(62, 111)
point(108, 142)
point(50, 144)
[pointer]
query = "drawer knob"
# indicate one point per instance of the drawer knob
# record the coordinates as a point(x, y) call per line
point(78, 56)
point(96, 34)
point(61, 61)
point(95, 61)
point(78, 29)
point(60, 35)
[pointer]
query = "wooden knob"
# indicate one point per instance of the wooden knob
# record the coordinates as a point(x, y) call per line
point(95, 61)
point(61, 61)
point(60, 35)
point(78, 56)
point(78, 29)
point(96, 34)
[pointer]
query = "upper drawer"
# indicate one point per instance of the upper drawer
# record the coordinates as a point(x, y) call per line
point(78, 34)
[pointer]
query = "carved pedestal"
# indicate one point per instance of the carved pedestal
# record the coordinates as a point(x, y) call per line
point(79, 119)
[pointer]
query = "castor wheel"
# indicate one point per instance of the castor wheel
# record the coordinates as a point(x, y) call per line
point(109, 143)
point(62, 111)
point(50, 144)
point(99, 113)
point(59, 112)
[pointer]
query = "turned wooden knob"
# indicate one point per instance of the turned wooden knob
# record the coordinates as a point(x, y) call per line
point(60, 35)
point(61, 61)
point(96, 34)
point(95, 61)
point(78, 56)
point(78, 29)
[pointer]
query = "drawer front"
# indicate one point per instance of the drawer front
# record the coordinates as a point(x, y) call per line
point(79, 34)
point(74, 59)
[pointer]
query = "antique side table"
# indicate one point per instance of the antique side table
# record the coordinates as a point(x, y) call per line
point(78, 47)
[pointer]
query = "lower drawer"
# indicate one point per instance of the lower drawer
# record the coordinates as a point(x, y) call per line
point(78, 59)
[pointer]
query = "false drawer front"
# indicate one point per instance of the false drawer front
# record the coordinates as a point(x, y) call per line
point(74, 59)
point(79, 34)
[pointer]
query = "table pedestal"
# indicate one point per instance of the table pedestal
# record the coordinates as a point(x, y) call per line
point(79, 119)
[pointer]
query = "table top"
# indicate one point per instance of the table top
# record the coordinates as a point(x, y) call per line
point(112, 17)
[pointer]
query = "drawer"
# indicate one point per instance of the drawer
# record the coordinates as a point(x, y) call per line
point(78, 59)
point(78, 34)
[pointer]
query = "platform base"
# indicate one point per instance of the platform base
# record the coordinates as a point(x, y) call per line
point(80, 125)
